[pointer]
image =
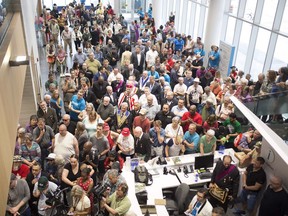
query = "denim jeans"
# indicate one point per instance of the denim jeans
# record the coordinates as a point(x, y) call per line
point(250, 198)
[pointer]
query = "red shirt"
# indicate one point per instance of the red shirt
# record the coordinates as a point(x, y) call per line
point(206, 126)
point(144, 124)
point(196, 118)
point(23, 171)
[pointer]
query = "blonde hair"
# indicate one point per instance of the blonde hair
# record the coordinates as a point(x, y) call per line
point(77, 191)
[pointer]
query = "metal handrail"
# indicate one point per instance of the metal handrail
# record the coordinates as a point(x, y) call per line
point(270, 94)
point(5, 25)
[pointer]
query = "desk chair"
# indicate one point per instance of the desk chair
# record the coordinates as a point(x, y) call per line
point(177, 205)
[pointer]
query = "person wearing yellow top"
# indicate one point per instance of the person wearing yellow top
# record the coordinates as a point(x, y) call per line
point(93, 64)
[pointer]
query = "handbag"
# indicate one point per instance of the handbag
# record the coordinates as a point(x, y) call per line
point(219, 193)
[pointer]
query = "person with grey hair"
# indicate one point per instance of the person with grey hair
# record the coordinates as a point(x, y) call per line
point(180, 88)
point(18, 197)
point(142, 144)
point(49, 114)
point(174, 129)
point(80, 202)
point(144, 79)
point(51, 88)
point(106, 110)
point(112, 179)
point(30, 151)
point(122, 118)
point(208, 142)
point(131, 72)
point(208, 94)
point(112, 95)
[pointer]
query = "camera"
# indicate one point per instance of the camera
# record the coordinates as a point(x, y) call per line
point(99, 190)
point(54, 198)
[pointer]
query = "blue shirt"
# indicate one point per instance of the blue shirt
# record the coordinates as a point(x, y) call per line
point(153, 136)
point(167, 78)
point(195, 138)
point(214, 63)
point(178, 43)
point(155, 74)
point(77, 105)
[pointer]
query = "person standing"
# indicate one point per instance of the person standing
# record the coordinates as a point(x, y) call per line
point(18, 197)
point(225, 177)
point(275, 199)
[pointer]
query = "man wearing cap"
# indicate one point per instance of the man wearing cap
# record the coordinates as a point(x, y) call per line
point(194, 93)
point(19, 169)
point(18, 197)
point(41, 189)
point(142, 121)
point(125, 143)
point(128, 96)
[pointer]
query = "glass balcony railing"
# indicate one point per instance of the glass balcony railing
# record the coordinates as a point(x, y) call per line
point(269, 105)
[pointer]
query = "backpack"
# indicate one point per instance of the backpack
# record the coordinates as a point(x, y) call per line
point(142, 175)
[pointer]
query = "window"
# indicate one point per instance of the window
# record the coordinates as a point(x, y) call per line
point(280, 54)
point(243, 45)
point(250, 10)
point(268, 13)
point(197, 14)
point(230, 30)
point(234, 7)
point(260, 53)
point(188, 17)
point(284, 23)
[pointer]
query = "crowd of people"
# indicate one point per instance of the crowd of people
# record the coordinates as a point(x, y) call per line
point(134, 91)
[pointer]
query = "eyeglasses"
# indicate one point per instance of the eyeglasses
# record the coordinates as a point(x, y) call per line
point(65, 119)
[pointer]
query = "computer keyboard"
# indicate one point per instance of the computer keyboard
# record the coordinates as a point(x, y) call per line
point(205, 175)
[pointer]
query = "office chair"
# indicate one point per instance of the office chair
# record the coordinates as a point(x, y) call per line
point(177, 205)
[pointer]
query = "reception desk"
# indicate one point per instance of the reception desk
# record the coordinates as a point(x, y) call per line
point(162, 181)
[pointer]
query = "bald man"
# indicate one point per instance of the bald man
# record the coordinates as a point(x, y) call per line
point(65, 143)
point(275, 199)
point(142, 145)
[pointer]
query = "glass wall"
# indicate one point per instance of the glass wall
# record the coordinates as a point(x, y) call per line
point(263, 26)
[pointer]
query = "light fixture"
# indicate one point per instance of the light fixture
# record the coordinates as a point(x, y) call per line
point(19, 60)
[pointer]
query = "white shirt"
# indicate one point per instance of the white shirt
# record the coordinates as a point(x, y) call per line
point(169, 131)
point(112, 77)
point(64, 145)
point(143, 100)
point(179, 111)
point(205, 211)
point(196, 93)
point(151, 57)
point(211, 96)
point(126, 142)
point(180, 88)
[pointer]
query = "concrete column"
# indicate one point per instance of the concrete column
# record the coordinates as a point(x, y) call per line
point(157, 12)
point(213, 25)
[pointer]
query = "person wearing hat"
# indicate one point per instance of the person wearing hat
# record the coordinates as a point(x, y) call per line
point(40, 191)
point(19, 169)
point(51, 167)
point(207, 110)
point(142, 121)
point(194, 92)
point(125, 143)
point(128, 96)
point(18, 197)
point(110, 135)
point(208, 142)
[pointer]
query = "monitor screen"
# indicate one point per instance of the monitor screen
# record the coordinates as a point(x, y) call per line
point(204, 161)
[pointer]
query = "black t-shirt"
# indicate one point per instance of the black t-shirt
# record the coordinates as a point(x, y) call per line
point(273, 203)
point(71, 176)
point(253, 177)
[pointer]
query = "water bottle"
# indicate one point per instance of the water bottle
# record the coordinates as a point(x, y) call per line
point(128, 163)
point(196, 176)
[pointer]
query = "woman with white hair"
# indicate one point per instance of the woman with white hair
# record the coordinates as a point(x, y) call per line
point(174, 129)
point(80, 202)
point(208, 142)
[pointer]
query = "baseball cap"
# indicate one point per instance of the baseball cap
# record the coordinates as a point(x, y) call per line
point(106, 127)
point(42, 183)
point(197, 80)
point(129, 86)
point(143, 111)
point(51, 156)
point(125, 132)
point(17, 158)
point(67, 75)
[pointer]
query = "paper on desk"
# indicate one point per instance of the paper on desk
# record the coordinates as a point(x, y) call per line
point(160, 201)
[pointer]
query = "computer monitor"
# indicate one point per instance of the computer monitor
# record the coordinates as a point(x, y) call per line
point(204, 161)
